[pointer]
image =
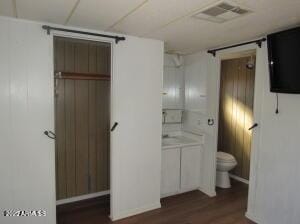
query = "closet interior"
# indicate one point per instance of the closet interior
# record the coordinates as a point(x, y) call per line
point(82, 117)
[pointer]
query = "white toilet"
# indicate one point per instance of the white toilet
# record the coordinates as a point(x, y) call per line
point(225, 163)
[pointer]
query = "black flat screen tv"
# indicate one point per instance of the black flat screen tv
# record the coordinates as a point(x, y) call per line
point(284, 61)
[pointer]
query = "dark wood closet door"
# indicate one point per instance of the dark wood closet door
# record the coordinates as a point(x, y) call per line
point(82, 118)
point(236, 112)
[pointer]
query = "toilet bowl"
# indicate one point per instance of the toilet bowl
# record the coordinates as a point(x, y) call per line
point(225, 163)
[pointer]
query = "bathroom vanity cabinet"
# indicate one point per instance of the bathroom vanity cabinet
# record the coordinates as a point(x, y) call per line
point(181, 167)
point(170, 176)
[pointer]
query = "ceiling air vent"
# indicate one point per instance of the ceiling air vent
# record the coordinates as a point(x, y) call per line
point(221, 12)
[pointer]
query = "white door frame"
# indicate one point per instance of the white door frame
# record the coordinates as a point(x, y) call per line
point(112, 43)
point(215, 68)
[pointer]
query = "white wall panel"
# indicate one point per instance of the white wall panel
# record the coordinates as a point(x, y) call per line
point(5, 152)
point(27, 156)
point(276, 198)
point(7, 8)
point(136, 143)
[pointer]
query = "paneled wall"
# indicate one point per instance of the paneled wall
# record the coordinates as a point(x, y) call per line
point(136, 142)
point(27, 162)
point(236, 112)
point(276, 198)
point(26, 110)
point(82, 117)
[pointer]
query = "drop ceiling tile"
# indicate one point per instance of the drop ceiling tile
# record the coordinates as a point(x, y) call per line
point(54, 11)
point(186, 33)
point(168, 20)
point(100, 14)
point(191, 35)
point(7, 8)
point(157, 13)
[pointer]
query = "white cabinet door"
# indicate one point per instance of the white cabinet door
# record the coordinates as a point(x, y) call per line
point(135, 173)
point(173, 88)
point(170, 175)
point(167, 88)
point(179, 88)
point(190, 168)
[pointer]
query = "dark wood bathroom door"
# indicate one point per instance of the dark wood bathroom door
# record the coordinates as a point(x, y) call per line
point(236, 112)
point(82, 122)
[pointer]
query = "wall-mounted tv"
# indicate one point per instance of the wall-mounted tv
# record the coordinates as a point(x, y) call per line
point(284, 61)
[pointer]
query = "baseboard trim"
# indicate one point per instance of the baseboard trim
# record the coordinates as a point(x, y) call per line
point(208, 192)
point(82, 197)
point(252, 217)
point(135, 211)
point(178, 192)
point(169, 195)
point(239, 179)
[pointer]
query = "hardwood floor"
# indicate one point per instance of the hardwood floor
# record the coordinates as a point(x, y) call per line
point(228, 207)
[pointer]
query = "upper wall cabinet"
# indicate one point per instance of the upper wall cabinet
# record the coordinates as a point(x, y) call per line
point(196, 82)
point(173, 91)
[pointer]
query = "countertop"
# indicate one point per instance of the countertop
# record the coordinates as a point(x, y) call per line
point(182, 140)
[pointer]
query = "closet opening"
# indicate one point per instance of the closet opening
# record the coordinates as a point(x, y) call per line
point(82, 77)
point(236, 120)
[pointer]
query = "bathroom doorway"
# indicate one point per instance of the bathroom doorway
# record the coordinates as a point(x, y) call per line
point(82, 75)
point(236, 111)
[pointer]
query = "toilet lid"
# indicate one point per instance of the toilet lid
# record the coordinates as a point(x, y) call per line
point(225, 156)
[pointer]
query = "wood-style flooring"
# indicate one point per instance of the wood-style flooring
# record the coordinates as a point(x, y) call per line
point(228, 207)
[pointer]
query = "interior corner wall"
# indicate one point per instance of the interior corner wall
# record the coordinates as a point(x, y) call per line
point(198, 91)
point(27, 156)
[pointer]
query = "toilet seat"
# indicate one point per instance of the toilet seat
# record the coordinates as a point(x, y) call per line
point(225, 157)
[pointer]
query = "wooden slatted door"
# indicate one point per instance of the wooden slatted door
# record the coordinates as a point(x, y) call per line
point(236, 112)
point(82, 113)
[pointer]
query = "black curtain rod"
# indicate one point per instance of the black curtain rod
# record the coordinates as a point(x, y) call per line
point(49, 28)
point(258, 42)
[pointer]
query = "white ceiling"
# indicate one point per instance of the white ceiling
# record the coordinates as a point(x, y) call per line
point(168, 20)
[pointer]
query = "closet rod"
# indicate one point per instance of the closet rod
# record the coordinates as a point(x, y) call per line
point(258, 42)
point(49, 28)
point(81, 76)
